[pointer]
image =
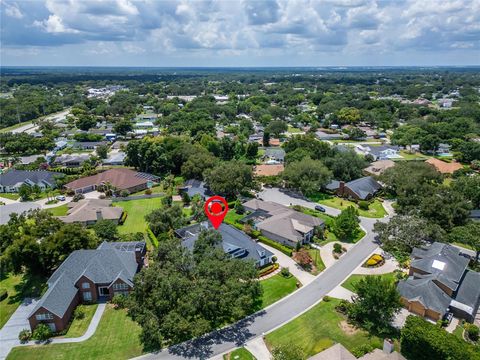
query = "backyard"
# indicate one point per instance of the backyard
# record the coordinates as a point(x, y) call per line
point(79, 326)
point(136, 211)
point(276, 287)
point(18, 287)
point(375, 210)
point(117, 337)
point(353, 279)
point(318, 329)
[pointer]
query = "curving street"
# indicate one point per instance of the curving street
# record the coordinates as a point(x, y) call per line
point(283, 311)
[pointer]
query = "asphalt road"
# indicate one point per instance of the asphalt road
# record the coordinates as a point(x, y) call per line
point(282, 311)
point(30, 128)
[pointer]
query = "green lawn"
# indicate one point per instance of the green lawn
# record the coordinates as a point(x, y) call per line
point(277, 287)
point(375, 210)
point(136, 210)
point(239, 354)
point(318, 329)
point(11, 196)
point(317, 260)
point(348, 284)
point(155, 190)
point(116, 338)
point(465, 246)
point(415, 156)
point(59, 210)
point(232, 217)
point(18, 287)
point(293, 130)
point(79, 326)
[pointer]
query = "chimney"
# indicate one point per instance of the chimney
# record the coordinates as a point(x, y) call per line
point(388, 346)
point(341, 188)
point(99, 215)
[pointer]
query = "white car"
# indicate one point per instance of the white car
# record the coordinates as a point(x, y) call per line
point(60, 198)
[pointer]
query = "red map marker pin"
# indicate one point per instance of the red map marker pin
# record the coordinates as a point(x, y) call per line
point(216, 208)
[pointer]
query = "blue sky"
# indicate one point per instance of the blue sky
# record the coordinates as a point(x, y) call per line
point(240, 33)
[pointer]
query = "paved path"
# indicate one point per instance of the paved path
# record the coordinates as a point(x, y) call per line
point(285, 261)
point(258, 349)
point(326, 252)
point(283, 311)
point(17, 322)
point(341, 293)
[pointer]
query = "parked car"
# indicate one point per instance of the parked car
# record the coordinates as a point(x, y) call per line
point(320, 208)
point(60, 198)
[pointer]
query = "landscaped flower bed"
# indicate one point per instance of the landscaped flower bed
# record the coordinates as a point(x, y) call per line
point(376, 260)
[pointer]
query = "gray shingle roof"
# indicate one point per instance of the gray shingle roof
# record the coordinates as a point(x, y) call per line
point(275, 153)
point(18, 208)
point(102, 266)
point(13, 177)
point(469, 291)
point(364, 186)
point(234, 241)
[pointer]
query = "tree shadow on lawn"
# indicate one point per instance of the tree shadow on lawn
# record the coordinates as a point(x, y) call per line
point(31, 286)
point(236, 334)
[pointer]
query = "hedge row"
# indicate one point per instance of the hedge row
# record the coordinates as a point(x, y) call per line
point(284, 249)
point(152, 237)
point(421, 340)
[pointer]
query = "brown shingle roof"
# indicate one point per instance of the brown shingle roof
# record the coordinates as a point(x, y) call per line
point(444, 167)
point(268, 170)
point(120, 178)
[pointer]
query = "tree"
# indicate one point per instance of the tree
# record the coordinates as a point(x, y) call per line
point(276, 127)
point(106, 230)
point(468, 234)
point(375, 304)
point(197, 164)
point(198, 212)
point(203, 292)
point(355, 133)
point(85, 122)
point(348, 115)
point(230, 178)
point(266, 139)
point(346, 165)
point(307, 175)
point(102, 151)
point(303, 258)
point(289, 351)
point(468, 186)
point(404, 232)
point(251, 150)
point(25, 192)
point(345, 225)
point(42, 332)
point(122, 127)
point(165, 219)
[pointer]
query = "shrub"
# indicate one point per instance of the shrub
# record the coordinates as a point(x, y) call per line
point(363, 349)
point(274, 259)
point(79, 313)
point(343, 306)
point(148, 192)
point(285, 272)
point(363, 205)
point(337, 248)
point(119, 301)
point(375, 260)
point(102, 196)
point(327, 298)
point(24, 335)
point(472, 332)
point(3, 294)
point(152, 237)
point(42, 332)
point(186, 198)
point(78, 197)
point(124, 193)
point(267, 270)
point(284, 249)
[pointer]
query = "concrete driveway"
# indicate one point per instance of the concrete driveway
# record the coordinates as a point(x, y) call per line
point(17, 322)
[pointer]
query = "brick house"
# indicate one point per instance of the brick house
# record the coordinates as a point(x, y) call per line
point(88, 276)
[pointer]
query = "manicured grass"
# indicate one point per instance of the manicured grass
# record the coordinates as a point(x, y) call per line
point(415, 156)
point(155, 190)
point(11, 196)
point(375, 210)
point(318, 329)
point(18, 287)
point(239, 354)
point(466, 246)
point(58, 210)
point(136, 210)
point(353, 279)
point(79, 326)
point(232, 216)
point(277, 287)
point(317, 261)
point(116, 338)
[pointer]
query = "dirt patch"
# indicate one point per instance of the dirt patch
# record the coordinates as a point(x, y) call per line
point(347, 328)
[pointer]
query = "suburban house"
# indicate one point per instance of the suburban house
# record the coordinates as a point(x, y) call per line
point(88, 145)
point(89, 211)
point(364, 188)
point(378, 167)
point(11, 180)
point(322, 135)
point(444, 167)
point(120, 179)
point(88, 276)
point(274, 156)
point(16, 208)
point(440, 282)
point(71, 160)
point(383, 152)
point(268, 170)
point(235, 243)
point(195, 187)
point(115, 158)
point(280, 223)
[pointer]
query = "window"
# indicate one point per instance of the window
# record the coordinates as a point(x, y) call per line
point(87, 296)
point(85, 285)
point(120, 286)
point(44, 316)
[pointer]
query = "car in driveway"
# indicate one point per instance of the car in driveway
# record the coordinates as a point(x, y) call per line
point(60, 198)
point(320, 208)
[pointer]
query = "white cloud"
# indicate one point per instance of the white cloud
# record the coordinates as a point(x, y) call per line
point(13, 11)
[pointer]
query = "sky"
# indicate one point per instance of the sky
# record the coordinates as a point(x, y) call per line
point(241, 33)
